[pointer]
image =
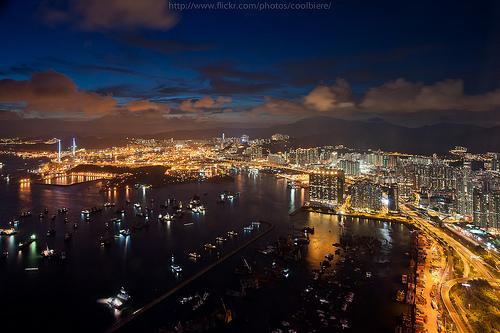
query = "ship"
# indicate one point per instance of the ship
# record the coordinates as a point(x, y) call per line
point(125, 232)
point(123, 295)
point(220, 240)
point(118, 302)
point(176, 268)
point(47, 253)
point(194, 255)
point(209, 246)
point(400, 295)
point(8, 232)
point(23, 245)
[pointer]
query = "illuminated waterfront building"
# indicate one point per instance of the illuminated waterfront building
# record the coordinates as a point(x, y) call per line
point(393, 198)
point(326, 187)
point(366, 196)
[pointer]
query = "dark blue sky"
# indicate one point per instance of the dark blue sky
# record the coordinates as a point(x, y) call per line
point(253, 57)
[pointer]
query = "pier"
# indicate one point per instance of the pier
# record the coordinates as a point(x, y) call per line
point(122, 324)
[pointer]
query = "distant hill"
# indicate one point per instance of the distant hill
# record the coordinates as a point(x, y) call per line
point(375, 134)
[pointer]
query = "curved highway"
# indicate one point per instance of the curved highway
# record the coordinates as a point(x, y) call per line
point(479, 269)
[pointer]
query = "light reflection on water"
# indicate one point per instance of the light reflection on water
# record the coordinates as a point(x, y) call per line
point(99, 272)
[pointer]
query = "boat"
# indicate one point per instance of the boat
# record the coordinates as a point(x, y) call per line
point(232, 233)
point(301, 241)
point(115, 303)
point(194, 255)
point(400, 295)
point(165, 218)
point(248, 228)
point(368, 274)
point(188, 224)
point(119, 301)
point(62, 210)
point(106, 241)
point(137, 205)
point(109, 204)
point(209, 246)
point(8, 232)
point(25, 214)
point(47, 253)
point(176, 268)
point(125, 232)
point(123, 295)
point(308, 230)
point(220, 239)
point(23, 245)
point(256, 224)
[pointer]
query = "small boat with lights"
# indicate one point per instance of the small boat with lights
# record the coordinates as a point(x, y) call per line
point(194, 256)
point(125, 232)
point(220, 240)
point(48, 253)
point(25, 244)
point(176, 268)
point(119, 301)
point(209, 246)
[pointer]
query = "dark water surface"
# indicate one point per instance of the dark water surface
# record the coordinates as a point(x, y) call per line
point(63, 295)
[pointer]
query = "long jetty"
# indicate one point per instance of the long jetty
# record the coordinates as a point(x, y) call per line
point(123, 323)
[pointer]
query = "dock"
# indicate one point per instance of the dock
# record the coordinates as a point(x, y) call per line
point(122, 324)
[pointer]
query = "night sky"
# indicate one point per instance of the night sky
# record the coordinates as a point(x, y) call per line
point(143, 66)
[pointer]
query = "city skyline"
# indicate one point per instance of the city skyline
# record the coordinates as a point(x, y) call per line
point(173, 166)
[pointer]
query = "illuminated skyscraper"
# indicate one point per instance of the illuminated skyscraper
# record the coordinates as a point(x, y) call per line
point(464, 191)
point(326, 187)
point(366, 196)
point(393, 198)
point(73, 147)
point(58, 150)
